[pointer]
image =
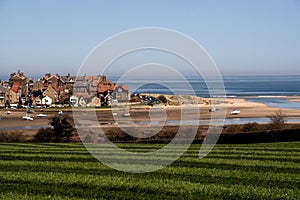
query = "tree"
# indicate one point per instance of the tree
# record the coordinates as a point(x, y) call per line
point(277, 120)
point(62, 127)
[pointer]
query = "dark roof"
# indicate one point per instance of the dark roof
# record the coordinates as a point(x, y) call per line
point(68, 78)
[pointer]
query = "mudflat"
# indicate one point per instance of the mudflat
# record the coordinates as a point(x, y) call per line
point(145, 113)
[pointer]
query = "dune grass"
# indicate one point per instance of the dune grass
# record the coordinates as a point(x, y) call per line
point(68, 171)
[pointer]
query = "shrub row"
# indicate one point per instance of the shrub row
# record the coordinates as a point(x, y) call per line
point(281, 135)
point(117, 135)
point(12, 136)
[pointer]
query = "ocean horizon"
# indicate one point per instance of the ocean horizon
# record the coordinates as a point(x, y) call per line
point(235, 86)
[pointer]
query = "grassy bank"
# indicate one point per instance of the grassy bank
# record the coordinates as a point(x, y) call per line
point(68, 171)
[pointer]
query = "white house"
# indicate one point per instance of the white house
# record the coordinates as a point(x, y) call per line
point(108, 98)
point(82, 101)
point(74, 100)
point(47, 101)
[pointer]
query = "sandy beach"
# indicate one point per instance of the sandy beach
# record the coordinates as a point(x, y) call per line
point(254, 110)
point(141, 113)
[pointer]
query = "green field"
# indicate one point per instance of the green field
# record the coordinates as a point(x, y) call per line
point(68, 171)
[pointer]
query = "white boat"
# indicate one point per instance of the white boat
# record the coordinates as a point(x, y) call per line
point(212, 109)
point(41, 115)
point(27, 118)
point(8, 112)
point(235, 112)
point(60, 112)
point(126, 115)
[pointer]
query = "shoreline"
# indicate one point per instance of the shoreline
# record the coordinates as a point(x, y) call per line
point(141, 113)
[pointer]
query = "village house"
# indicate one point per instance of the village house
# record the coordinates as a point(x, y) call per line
point(81, 86)
point(2, 96)
point(64, 95)
point(74, 101)
point(82, 101)
point(67, 90)
point(120, 93)
point(47, 101)
point(38, 85)
point(94, 102)
point(55, 81)
point(51, 93)
point(93, 82)
point(19, 83)
point(68, 80)
point(12, 95)
point(104, 90)
point(86, 91)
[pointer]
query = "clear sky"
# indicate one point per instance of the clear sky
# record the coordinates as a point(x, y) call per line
point(257, 37)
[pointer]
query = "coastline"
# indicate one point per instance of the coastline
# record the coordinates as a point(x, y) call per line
point(141, 113)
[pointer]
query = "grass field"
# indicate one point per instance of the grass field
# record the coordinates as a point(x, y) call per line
point(68, 171)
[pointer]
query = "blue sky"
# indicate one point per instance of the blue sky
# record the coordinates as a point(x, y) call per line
point(242, 37)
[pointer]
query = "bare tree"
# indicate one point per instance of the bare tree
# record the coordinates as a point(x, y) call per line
point(277, 120)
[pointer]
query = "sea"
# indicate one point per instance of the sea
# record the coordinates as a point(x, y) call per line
point(270, 90)
point(235, 86)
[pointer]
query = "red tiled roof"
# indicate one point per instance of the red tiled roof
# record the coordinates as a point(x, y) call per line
point(95, 83)
point(103, 88)
point(92, 78)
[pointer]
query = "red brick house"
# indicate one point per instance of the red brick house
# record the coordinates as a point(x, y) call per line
point(19, 80)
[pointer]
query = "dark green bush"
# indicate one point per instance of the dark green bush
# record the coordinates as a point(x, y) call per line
point(61, 132)
point(62, 128)
point(44, 135)
point(235, 128)
point(251, 127)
